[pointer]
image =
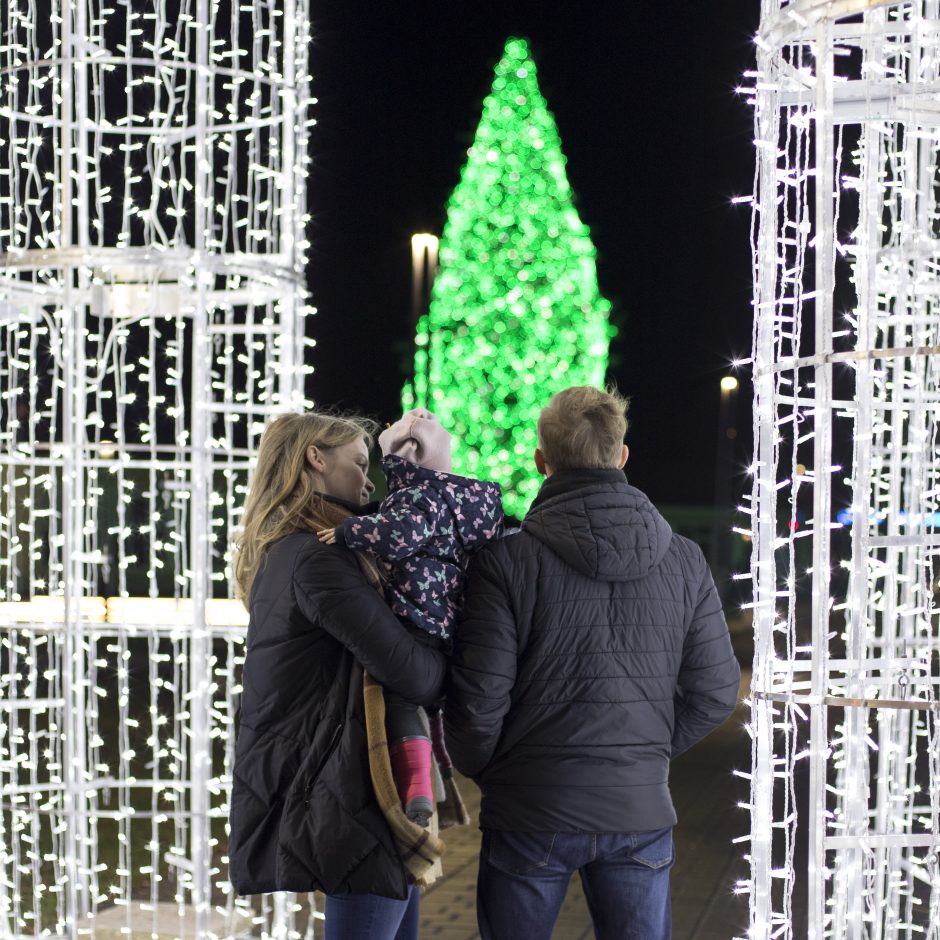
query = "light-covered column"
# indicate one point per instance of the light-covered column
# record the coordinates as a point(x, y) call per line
point(845, 787)
point(153, 162)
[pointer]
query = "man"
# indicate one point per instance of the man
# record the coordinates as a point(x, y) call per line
point(591, 650)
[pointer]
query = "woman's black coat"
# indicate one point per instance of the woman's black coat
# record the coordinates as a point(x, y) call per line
point(303, 813)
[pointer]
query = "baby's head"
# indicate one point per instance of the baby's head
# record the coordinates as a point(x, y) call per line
point(418, 437)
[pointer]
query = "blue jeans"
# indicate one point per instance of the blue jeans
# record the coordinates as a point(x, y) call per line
point(372, 917)
point(524, 878)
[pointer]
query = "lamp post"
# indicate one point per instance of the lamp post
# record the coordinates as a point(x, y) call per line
point(724, 468)
point(423, 269)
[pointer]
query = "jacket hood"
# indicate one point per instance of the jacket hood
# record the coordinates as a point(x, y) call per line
point(476, 505)
point(599, 524)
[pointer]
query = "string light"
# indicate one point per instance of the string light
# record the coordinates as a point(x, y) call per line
point(515, 311)
point(846, 473)
point(152, 250)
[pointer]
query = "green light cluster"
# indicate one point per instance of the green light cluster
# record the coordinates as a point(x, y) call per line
point(515, 312)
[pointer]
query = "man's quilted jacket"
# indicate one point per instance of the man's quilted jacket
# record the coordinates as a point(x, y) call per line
point(591, 650)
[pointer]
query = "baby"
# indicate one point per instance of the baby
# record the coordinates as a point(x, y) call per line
point(427, 527)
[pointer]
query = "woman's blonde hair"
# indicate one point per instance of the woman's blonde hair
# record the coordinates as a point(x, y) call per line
point(283, 495)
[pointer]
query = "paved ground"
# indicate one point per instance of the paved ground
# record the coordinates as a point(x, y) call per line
point(706, 794)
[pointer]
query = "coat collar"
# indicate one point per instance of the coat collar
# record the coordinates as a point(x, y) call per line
point(564, 481)
point(357, 510)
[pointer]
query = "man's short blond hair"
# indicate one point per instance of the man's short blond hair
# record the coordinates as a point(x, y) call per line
point(583, 427)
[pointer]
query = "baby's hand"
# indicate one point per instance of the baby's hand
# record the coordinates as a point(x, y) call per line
point(327, 535)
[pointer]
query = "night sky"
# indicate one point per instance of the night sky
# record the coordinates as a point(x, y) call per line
point(657, 143)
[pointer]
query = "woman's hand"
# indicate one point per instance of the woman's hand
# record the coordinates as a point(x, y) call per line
point(327, 535)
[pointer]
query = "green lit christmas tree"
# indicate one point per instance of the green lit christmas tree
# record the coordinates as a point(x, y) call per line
point(515, 312)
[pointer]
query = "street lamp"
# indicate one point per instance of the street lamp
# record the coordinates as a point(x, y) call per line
point(724, 472)
point(423, 269)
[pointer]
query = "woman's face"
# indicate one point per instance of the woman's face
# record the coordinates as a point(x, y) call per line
point(344, 471)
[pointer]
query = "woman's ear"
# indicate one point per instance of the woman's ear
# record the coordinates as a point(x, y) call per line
point(315, 458)
point(624, 454)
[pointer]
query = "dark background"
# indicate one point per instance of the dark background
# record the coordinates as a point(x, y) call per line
point(657, 142)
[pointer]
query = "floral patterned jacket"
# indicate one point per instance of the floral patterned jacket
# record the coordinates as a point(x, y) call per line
point(426, 527)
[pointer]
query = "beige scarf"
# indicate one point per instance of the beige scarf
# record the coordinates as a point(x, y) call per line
point(420, 849)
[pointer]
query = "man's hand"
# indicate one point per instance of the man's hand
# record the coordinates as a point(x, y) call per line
point(327, 535)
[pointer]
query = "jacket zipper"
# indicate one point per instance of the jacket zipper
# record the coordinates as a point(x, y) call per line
point(329, 750)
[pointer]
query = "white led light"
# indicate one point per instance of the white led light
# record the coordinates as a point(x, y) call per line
point(152, 207)
point(844, 565)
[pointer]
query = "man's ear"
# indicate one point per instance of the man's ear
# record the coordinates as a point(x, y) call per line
point(315, 459)
point(624, 454)
point(540, 461)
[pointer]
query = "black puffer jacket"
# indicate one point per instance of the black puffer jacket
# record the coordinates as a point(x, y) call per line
point(303, 813)
point(591, 649)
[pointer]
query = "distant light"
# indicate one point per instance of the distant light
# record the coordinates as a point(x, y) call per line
point(929, 520)
point(421, 241)
point(729, 383)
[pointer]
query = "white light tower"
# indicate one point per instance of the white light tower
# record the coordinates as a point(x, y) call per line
point(152, 206)
point(847, 431)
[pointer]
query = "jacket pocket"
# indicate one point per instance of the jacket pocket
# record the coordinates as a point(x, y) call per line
point(517, 852)
point(321, 763)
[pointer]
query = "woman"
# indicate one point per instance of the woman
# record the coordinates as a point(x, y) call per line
point(304, 816)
